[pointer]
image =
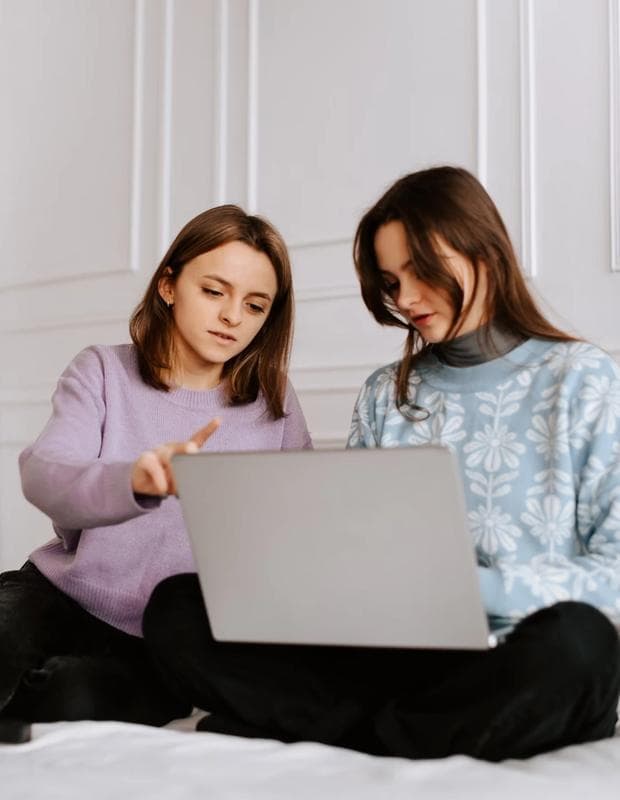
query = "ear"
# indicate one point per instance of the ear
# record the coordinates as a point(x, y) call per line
point(165, 287)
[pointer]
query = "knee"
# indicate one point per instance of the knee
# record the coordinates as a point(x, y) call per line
point(579, 639)
point(172, 602)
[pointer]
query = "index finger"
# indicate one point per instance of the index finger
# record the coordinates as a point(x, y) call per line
point(201, 436)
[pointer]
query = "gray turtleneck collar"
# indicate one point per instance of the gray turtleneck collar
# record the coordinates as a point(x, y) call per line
point(482, 345)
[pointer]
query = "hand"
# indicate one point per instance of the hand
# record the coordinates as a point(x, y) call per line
point(152, 474)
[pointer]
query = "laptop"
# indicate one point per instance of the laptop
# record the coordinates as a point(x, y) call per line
point(366, 548)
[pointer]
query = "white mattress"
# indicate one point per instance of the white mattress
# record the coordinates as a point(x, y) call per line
point(96, 760)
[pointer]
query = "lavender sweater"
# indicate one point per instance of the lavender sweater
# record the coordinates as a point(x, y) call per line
point(112, 548)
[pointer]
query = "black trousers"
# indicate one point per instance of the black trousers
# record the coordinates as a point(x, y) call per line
point(58, 662)
point(555, 681)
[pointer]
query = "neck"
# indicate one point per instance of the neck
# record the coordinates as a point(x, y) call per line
point(477, 347)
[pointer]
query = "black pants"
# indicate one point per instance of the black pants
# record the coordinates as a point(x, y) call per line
point(58, 662)
point(554, 682)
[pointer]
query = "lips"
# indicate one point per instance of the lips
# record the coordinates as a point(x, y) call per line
point(423, 319)
point(224, 337)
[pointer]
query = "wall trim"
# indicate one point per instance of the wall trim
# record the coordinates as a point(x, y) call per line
point(310, 294)
point(137, 144)
point(81, 321)
point(614, 132)
point(165, 177)
point(313, 294)
point(222, 88)
point(528, 138)
point(252, 130)
point(138, 138)
point(482, 151)
point(321, 241)
point(325, 441)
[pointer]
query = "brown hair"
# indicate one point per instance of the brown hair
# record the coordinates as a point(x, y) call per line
point(451, 203)
point(263, 365)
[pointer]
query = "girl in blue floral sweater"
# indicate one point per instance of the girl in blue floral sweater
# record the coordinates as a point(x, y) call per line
point(533, 416)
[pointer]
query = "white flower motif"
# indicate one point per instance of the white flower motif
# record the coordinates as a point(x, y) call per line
point(545, 576)
point(550, 434)
point(444, 424)
point(574, 357)
point(550, 521)
point(553, 481)
point(601, 398)
point(494, 447)
point(493, 530)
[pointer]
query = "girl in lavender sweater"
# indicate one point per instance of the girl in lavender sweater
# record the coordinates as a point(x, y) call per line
point(207, 367)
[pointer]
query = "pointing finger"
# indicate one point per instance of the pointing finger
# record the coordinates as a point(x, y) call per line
point(201, 436)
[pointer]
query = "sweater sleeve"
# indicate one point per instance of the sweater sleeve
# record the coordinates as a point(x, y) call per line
point(589, 570)
point(295, 435)
point(362, 432)
point(596, 565)
point(62, 473)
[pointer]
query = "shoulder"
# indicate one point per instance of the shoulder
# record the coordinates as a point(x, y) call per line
point(382, 377)
point(105, 360)
point(575, 361)
point(379, 388)
point(99, 370)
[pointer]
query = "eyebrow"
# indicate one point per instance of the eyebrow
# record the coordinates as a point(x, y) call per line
point(217, 278)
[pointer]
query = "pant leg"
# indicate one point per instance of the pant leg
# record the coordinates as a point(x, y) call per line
point(57, 661)
point(554, 682)
point(283, 692)
point(33, 617)
point(114, 686)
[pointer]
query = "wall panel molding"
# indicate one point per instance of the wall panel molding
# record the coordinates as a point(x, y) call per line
point(482, 144)
point(253, 83)
point(222, 89)
point(165, 175)
point(68, 322)
point(528, 137)
point(614, 131)
point(321, 241)
point(136, 187)
point(318, 294)
point(138, 138)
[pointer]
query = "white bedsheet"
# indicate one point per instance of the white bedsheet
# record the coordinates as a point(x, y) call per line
point(96, 760)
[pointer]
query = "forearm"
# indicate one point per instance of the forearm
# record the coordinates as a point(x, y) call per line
point(77, 496)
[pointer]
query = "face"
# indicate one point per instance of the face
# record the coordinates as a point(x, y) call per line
point(428, 309)
point(221, 299)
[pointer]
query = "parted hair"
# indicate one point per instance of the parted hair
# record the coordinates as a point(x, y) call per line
point(263, 365)
point(447, 202)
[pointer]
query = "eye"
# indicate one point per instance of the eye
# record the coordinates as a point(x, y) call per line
point(255, 308)
point(212, 292)
point(391, 286)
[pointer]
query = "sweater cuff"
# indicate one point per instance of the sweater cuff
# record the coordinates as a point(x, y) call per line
point(148, 501)
point(122, 498)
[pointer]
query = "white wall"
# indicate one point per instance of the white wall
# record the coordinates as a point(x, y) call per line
point(121, 120)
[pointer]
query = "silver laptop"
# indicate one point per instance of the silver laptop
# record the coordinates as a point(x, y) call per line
point(348, 547)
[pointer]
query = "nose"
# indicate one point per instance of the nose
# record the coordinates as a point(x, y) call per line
point(230, 313)
point(409, 293)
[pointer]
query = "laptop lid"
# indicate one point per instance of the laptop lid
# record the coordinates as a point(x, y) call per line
point(348, 547)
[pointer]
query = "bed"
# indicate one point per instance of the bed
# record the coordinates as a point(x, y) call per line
point(96, 760)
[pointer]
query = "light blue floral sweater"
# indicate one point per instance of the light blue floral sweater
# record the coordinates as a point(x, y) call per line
point(537, 436)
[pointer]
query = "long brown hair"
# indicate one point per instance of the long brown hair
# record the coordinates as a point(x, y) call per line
point(263, 365)
point(448, 202)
